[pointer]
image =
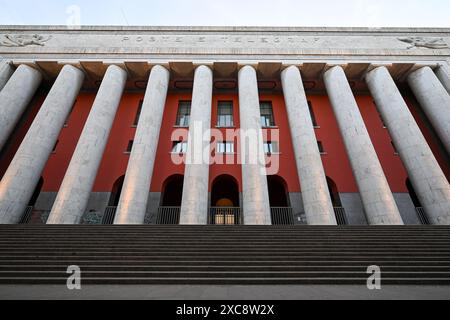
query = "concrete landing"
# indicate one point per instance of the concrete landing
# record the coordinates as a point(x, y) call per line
point(219, 292)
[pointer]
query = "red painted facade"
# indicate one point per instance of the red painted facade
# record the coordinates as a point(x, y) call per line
point(114, 162)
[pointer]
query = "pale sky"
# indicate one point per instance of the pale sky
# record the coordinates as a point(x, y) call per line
point(339, 13)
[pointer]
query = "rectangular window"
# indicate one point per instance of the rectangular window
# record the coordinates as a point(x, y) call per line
point(266, 114)
point(225, 114)
point(271, 147)
point(313, 116)
point(129, 146)
point(179, 147)
point(321, 148)
point(225, 147)
point(184, 111)
point(138, 113)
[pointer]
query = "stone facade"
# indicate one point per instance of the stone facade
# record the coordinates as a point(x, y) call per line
point(378, 59)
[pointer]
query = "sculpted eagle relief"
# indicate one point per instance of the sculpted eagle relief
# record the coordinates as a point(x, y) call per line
point(421, 42)
point(23, 40)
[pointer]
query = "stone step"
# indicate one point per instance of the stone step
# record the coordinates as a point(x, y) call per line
point(225, 274)
point(247, 263)
point(224, 254)
point(227, 281)
point(222, 268)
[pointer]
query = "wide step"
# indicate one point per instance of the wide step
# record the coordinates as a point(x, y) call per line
point(34, 254)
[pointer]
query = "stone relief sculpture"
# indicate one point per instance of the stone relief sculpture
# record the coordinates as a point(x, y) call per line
point(430, 43)
point(23, 40)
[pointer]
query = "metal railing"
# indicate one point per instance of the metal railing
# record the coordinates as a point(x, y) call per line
point(168, 215)
point(224, 215)
point(108, 217)
point(26, 215)
point(282, 216)
point(341, 218)
point(422, 215)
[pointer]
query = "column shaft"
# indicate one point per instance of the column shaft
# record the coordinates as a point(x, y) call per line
point(73, 195)
point(133, 199)
point(255, 193)
point(22, 175)
point(426, 176)
point(15, 97)
point(6, 71)
point(435, 101)
point(443, 73)
point(315, 195)
point(379, 204)
point(194, 206)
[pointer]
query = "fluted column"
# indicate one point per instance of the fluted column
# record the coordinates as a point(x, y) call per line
point(194, 205)
point(435, 101)
point(315, 195)
point(379, 204)
point(133, 199)
point(22, 175)
point(426, 176)
point(73, 195)
point(6, 71)
point(15, 97)
point(255, 193)
point(443, 73)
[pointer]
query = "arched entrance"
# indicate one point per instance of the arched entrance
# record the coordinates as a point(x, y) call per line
point(418, 206)
point(172, 194)
point(115, 192)
point(225, 207)
point(280, 209)
point(30, 216)
point(334, 193)
point(339, 211)
point(278, 196)
point(110, 211)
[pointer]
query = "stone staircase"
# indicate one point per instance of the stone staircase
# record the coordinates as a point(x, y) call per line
point(227, 255)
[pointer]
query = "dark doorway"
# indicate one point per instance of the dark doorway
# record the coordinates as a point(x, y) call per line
point(110, 211)
point(30, 216)
point(36, 192)
point(280, 210)
point(420, 211)
point(412, 194)
point(334, 193)
point(339, 211)
point(172, 194)
point(115, 192)
point(225, 192)
point(172, 191)
point(278, 196)
point(225, 207)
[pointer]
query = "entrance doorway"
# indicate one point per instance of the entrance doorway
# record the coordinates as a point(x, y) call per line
point(172, 194)
point(280, 209)
point(225, 208)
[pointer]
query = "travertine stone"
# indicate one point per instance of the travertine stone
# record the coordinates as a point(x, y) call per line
point(435, 101)
point(315, 195)
point(136, 186)
point(377, 198)
point(73, 195)
point(426, 176)
point(15, 97)
point(194, 205)
point(443, 73)
point(22, 175)
point(256, 207)
point(6, 71)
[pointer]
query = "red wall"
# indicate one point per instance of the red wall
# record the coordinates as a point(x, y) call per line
point(115, 159)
